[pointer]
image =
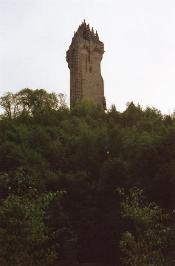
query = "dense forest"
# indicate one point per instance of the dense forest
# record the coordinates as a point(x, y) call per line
point(84, 185)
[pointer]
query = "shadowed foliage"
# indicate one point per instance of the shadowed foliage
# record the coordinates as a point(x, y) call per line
point(60, 171)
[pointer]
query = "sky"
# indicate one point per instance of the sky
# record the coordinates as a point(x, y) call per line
point(139, 38)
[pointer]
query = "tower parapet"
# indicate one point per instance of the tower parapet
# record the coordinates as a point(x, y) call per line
point(84, 58)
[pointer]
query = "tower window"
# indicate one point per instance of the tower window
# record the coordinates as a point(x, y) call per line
point(90, 69)
point(86, 63)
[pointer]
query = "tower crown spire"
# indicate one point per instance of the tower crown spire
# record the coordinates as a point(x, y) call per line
point(84, 31)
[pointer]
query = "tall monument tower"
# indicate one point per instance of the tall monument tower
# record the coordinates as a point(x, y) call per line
point(84, 58)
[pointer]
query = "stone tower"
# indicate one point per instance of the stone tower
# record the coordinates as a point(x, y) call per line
point(84, 57)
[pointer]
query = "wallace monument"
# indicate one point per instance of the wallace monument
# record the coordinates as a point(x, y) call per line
point(84, 58)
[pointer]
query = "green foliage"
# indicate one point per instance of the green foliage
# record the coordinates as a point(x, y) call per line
point(87, 153)
point(29, 102)
point(149, 236)
point(23, 234)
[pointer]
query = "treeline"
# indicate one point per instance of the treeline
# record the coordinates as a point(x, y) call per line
point(85, 185)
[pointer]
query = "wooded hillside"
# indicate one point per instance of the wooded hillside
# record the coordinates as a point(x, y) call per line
point(85, 184)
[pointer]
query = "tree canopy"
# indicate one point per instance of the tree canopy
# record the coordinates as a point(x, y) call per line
point(83, 184)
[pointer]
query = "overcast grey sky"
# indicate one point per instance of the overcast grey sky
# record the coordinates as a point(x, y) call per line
point(139, 39)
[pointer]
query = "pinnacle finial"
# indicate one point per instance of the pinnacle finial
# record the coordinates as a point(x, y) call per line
point(93, 30)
